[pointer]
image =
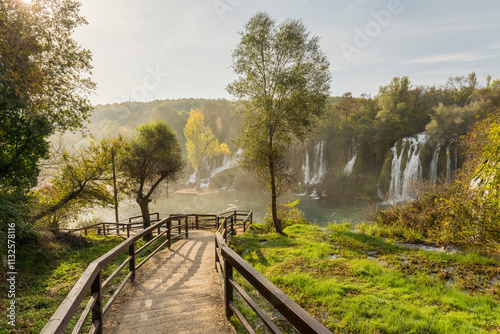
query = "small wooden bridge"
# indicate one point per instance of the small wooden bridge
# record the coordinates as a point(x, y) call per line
point(177, 290)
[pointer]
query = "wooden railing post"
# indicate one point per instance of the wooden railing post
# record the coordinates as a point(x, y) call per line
point(216, 255)
point(179, 225)
point(131, 253)
point(169, 233)
point(233, 221)
point(228, 288)
point(197, 226)
point(187, 227)
point(225, 230)
point(128, 231)
point(97, 315)
point(85, 231)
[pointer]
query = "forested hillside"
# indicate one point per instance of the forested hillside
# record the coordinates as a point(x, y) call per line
point(357, 145)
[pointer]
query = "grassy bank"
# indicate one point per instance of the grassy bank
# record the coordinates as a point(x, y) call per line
point(47, 270)
point(355, 283)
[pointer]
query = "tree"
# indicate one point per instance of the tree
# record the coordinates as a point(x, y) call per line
point(153, 156)
point(200, 140)
point(460, 89)
point(222, 119)
point(347, 105)
point(283, 83)
point(176, 119)
point(82, 181)
point(43, 87)
point(401, 113)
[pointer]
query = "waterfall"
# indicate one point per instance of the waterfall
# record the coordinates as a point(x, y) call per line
point(192, 178)
point(314, 166)
point(353, 154)
point(305, 166)
point(212, 167)
point(433, 176)
point(319, 163)
point(406, 167)
point(227, 162)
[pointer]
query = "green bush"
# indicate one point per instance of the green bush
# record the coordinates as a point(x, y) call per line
point(289, 215)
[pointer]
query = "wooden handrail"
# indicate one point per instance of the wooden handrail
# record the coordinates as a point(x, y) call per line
point(91, 281)
point(226, 260)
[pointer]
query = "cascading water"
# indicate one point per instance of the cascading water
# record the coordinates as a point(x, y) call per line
point(227, 162)
point(433, 176)
point(212, 167)
point(408, 154)
point(314, 166)
point(353, 154)
point(319, 163)
point(305, 166)
point(406, 168)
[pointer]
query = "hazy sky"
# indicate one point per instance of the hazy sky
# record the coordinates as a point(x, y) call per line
point(182, 48)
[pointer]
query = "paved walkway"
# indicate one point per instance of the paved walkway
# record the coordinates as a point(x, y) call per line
point(176, 291)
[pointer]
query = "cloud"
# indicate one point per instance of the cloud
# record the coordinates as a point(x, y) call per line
point(452, 57)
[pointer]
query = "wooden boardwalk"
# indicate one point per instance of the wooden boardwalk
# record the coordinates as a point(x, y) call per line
point(177, 291)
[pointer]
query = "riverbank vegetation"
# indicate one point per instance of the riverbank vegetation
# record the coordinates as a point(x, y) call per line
point(465, 211)
point(356, 283)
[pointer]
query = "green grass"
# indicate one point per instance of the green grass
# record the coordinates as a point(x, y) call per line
point(48, 269)
point(355, 283)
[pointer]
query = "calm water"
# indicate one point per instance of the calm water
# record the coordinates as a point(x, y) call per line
point(317, 211)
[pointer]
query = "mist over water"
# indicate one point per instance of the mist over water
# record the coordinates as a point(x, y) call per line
point(317, 211)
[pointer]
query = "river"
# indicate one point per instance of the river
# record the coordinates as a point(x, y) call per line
point(316, 210)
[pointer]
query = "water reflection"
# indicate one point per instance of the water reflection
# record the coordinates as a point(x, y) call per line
point(317, 211)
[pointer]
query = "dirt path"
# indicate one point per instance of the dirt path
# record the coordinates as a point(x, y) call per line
point(177, 291)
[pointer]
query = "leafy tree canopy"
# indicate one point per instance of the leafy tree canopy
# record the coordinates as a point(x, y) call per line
point(43, 83)
point(200, 141)
point(283, 82)
point(82, 181)
point(153, 156)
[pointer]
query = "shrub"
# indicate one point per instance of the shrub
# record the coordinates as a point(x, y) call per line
point(289, 215)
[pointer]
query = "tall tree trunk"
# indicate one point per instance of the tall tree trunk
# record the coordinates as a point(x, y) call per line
point(146, 218)
point(115, 192)
point(274, 197)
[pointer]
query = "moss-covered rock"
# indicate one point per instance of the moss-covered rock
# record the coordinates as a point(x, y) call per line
point(384, 181)
point(426, 155)
point(224, 179)
point(245, 181)
point(442, 164)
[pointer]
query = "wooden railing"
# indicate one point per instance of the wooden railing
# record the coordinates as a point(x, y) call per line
point(115, 228)
point(91, 280)
point(201, 221)
point(226, 260)
point(239, 218)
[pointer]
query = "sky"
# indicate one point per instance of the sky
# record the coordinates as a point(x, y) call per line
point(169, 49)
